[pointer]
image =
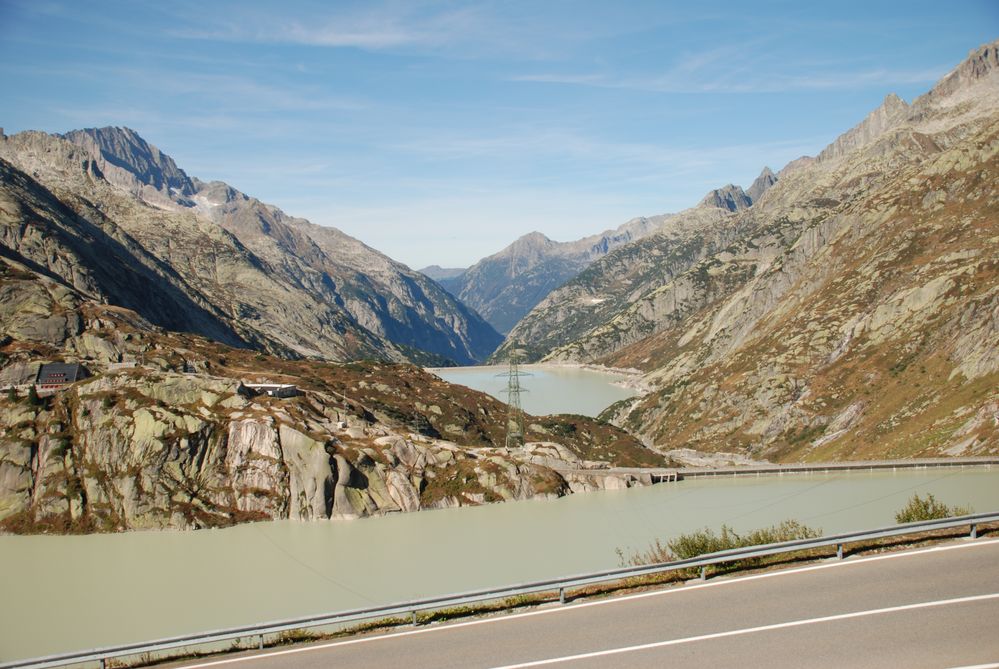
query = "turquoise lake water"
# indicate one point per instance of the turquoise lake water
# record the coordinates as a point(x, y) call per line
point(549, 389)
point(65, 593)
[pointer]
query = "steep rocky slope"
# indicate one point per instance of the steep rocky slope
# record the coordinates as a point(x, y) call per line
point(179, 441)
point(268, 280)
point(624, 274)
point(853, 311)
point(505, 286)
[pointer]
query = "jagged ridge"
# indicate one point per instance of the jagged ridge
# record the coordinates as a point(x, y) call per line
point(276, 282)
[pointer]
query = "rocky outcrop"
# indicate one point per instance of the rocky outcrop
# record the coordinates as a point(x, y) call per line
point(140, 450)
point(165, 433)
point(728, 197)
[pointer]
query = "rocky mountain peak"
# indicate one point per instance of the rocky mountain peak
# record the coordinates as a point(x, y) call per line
point(762, 184)
point(982, 64)
point(506, 285)
point(729, 197)
point(890, 112)
point(528, 245)
point(532, 239)
point(130, 162)
point(208, 259)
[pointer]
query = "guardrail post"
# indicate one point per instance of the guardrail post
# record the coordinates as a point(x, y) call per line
point(260, 641)
point(839, 551)
point(704, 573)
point(561, 595)
point(414, 619)
point(104, 663)
point(974, 530)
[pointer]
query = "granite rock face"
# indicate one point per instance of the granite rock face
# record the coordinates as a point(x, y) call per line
point(598, 293)
point(728, 197)
point(761, 184)
point(850, 312)
point(110, 455)
point(166, 429)
point(128, 161)
point(115, 218)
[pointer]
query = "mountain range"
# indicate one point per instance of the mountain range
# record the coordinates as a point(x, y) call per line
point(851, 311)
point(505, 286)
point(113, 216)
point(844, 308)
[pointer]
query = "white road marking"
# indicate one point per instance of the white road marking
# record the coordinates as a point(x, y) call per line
point(993, 665)
point(751, 630)
point(601, 602)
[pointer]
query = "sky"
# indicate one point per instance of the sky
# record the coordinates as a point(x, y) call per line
point(439, 132)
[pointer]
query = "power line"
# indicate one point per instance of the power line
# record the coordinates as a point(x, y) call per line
point(515, 415)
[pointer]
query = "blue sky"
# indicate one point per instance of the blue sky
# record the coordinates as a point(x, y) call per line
point(438, 132)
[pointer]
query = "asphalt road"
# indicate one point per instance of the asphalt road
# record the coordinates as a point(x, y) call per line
point(934, 607)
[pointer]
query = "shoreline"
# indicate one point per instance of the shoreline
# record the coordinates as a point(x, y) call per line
point(632, 380)
point(590, 366)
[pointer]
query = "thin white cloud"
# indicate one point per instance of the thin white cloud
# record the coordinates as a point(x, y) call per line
point(376, 28)
point(295, 33)
point(774, 82)
point(750, 66)
point(215, 92)
point(521, 31)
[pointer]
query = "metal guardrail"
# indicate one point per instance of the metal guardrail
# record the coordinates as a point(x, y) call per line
point(842, 466)
point(411, 608)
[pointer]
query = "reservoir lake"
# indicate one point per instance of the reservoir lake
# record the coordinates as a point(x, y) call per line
point(549, 389)
point(63, 593)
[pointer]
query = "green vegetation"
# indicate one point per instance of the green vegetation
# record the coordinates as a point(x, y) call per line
point(805, 435)
point(705, 541)
point(928, 508)
point(455, 480)
point(296, 636)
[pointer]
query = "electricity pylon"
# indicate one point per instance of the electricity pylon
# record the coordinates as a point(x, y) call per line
point(514, 415)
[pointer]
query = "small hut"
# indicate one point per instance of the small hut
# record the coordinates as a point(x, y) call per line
point(58, 375)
